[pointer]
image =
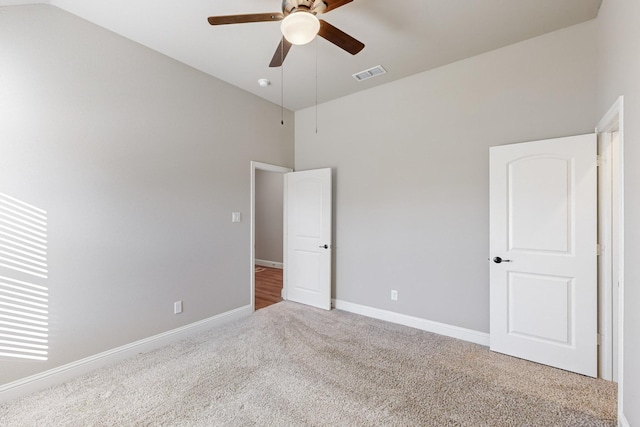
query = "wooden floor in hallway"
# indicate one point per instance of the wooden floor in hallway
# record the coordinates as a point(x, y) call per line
point(268, 286)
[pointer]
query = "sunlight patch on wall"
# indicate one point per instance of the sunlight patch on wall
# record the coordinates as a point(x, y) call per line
point(24, 298)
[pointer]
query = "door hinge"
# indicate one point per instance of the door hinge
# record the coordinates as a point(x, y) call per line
point(599, 160)
point(599, 249)
point(598, 339)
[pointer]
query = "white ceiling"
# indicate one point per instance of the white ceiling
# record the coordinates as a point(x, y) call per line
point(404, 36)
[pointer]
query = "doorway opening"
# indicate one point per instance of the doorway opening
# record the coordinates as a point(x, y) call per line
point(267, 222)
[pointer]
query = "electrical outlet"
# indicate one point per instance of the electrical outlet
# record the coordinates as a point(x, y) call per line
point(177, 307)
point(394, 295)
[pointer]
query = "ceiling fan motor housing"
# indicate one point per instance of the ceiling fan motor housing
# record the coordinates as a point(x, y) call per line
point(313, 6)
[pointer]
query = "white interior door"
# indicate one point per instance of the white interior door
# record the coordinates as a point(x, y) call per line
point(543, 216)
point(307, 267)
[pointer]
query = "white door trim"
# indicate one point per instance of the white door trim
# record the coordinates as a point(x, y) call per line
point(611, 122)
point(605, 253)
point(252, 257)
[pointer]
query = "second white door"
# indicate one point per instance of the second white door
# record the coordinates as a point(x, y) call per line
point(543, 280)
point(308, 237)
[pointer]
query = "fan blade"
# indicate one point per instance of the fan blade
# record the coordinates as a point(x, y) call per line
point(339, 38)
point(334, 4)
point(241, 19)
point(281, 53)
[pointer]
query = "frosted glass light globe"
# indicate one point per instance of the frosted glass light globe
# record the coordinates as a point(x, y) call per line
point(300, 27)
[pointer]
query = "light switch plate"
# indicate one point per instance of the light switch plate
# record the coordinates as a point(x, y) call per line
point(236, 217)
point(177, 307)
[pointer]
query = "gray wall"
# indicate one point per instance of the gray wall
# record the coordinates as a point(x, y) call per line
point(411, 169)
point(269, 211)
point(619, 74)
point(139, 161)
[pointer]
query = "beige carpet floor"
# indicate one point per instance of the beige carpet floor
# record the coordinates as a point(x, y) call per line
point(290, 365)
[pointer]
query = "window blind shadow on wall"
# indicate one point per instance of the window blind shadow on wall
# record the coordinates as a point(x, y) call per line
point(24, 296)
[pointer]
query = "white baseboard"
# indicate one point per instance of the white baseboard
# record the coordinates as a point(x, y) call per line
point(272, 264)
point(622, 421)
point(470, 335)
point(66, 372)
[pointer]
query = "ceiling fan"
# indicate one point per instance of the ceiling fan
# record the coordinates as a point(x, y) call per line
point(300, 25)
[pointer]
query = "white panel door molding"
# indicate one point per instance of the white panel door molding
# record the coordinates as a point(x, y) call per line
point(307, 270)
point(543, 214)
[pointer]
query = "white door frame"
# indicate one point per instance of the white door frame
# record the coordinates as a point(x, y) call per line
point(612, 122)
point(252, 257)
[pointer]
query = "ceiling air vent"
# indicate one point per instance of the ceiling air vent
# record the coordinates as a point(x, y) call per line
point(371, 72)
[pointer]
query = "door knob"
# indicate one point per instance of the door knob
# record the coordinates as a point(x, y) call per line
point(498, 260)
point(324, 246)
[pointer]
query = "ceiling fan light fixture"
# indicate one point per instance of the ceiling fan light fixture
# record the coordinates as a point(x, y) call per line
point(300, 27)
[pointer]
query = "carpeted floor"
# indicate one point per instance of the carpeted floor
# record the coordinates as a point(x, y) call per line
point(290, 365)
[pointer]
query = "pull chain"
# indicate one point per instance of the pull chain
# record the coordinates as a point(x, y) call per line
point(316, 85)
point(282, 81)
